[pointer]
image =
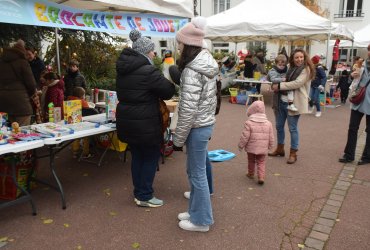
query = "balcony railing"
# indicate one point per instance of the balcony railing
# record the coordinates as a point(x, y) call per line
point(349, 13)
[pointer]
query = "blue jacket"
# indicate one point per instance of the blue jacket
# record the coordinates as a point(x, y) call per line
point(320, 78)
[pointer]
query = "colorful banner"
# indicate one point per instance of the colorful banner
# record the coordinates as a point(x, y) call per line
point(44, 13)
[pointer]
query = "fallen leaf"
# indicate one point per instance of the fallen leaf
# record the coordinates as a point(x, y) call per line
point(330, 178)
point(79, 247)
point(85, 174)
point(107, 192)
point(135, 245)
point(3, 239)
point(147, 210)
point(181, 240)
point(350, 176)
point(113, 213)
point(276, 174)
point(48, 221)
point(221, 197)
point(250, 188)
point(66, 225)
point(2, 244)
point(300, 245)
point(226, 231)
point(43, 218)
point(337, 219)
point(239, 198)
point(256, 195)
point(10, 240)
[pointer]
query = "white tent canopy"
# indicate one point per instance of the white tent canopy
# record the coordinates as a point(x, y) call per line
point(181, 8)
point(341, 32)
point(267, 19)
point(361, 38)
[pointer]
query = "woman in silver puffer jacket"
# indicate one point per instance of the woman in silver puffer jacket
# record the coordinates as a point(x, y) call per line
point(196, 118)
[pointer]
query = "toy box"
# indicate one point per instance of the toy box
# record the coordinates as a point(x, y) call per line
point(52, 129)
point(24, 164)
point(72, 111)
point(111, 102)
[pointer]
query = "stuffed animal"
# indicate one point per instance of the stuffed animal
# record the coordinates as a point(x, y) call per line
point(15, 128)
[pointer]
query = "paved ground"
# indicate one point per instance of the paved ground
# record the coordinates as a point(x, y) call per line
point(299, 204)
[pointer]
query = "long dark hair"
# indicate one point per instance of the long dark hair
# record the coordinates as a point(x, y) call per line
point(188, 54)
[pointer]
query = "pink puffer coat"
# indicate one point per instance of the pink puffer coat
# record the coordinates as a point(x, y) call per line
point(257, 136)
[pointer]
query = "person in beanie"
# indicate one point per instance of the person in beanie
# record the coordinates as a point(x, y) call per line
point(196, 118)
point(17, 85)
point(317, 85)
point(140, 86)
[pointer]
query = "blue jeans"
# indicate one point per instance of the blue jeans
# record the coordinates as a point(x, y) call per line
point(315, 98)
point(200, 208)
point(209, 174)
point(281, 115)
point(144, 165)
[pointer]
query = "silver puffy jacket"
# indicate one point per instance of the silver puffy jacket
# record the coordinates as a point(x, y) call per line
point(197, 103)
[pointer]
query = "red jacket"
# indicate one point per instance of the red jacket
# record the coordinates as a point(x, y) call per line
point(55, 94)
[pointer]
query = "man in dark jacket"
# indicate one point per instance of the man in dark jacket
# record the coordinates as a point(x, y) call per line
point(140, 86)
point(37, 65)
point(17, 84)
point(73, 79)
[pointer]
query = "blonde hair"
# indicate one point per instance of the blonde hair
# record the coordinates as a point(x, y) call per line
point(281, 58)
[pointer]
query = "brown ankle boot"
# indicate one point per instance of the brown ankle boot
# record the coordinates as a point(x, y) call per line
point(279, 151)
point(292, 156)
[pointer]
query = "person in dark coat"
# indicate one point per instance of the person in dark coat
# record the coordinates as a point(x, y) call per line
point(343, 85)
point(73, 79)
point(140, 86)
point(37, 65)
point(17, 84)
point(249, 66)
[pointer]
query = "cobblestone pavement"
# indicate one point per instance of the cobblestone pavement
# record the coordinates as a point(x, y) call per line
point(330, 215)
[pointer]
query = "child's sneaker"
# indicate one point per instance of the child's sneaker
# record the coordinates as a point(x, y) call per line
point(310, 110)
point(261, 181)
point(75, 155)
point(250, 175)
point(88, 156)
point(318, 114)
point(291, 107)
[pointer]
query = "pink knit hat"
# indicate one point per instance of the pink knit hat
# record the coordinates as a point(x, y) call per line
point(192, 33)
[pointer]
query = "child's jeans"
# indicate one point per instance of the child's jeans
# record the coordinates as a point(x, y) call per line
point(85, 146)
point(254, 159)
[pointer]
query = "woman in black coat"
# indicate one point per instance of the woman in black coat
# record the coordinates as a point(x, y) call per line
point(139, 87)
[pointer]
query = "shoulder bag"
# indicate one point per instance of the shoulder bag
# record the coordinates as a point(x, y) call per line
point(358, 94)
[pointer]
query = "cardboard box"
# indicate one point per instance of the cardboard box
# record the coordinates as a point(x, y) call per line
point(171, 105)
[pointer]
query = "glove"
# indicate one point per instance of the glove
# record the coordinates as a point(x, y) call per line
point(321, 88)
point(175, 148)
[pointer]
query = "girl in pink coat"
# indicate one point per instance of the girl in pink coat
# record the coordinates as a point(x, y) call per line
point(256, 139)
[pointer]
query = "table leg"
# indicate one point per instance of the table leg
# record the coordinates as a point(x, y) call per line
point(59, 184)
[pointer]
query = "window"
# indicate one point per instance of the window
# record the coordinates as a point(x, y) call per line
point(350, 8)
point(163, 43)
point(220, 6)
point(345, 55)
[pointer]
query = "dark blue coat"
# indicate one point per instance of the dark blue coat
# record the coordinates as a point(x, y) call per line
point(139, 87)
point(320, 78)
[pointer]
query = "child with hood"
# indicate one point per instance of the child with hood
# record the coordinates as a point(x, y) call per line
point(256, 139)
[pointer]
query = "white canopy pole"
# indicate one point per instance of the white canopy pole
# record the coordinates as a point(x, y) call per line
point(57, 49)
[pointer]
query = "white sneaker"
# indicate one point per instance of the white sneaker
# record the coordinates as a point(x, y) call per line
point(187, 195)
point(187, 225)
point(318, 114)
point(183, 216)
point(291, 107)
point(310, 110)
